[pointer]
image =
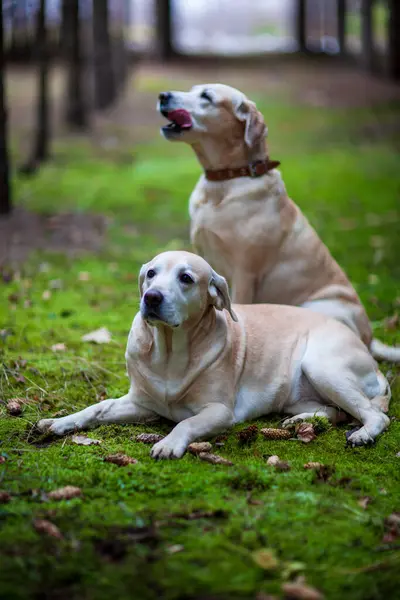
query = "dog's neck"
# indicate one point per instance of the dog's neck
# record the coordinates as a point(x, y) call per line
point(215, 154)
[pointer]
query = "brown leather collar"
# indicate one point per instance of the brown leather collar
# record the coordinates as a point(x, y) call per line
point(254, 169)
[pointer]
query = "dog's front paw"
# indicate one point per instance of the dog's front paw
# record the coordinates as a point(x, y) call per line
point(55, 426)
point(168, 448)
point(361, 437)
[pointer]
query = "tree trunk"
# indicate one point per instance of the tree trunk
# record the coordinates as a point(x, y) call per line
point(42, 137)
point(394, 40)
point(104, 79)
point(76, 113)
point(5, 191)
point(367, 39)
point(165, 50)
point(301, 25)
point(341, 25)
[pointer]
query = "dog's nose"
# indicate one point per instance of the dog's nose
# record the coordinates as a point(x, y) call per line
point(153, 298)
point(164, 97)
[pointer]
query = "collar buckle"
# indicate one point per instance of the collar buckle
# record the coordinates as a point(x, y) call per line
point(254, 168)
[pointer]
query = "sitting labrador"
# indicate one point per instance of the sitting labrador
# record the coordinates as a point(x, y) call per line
point(196, 360)
point(242, 220)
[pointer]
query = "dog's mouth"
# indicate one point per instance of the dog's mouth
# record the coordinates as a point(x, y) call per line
point(180, 120)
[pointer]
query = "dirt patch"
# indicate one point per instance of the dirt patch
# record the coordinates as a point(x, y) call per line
point(70, 233)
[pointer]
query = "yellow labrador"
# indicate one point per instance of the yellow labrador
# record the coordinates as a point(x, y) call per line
point(242, 220)
point(196, 360)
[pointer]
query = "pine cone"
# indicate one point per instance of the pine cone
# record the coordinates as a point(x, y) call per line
point(149, 438)
point(248, 435)
point(276, 434)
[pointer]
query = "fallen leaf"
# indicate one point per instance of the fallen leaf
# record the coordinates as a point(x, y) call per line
point(280, 465)
point(324, 473)
point(149, 438)
point(214, 459)
point(248, 435)
point(82, 440)
point(99, 336)
point(46, 295)
point(120, 459)
point(59, 347)
point(198, 447)
point(392, 525)
point(373, 279)
point(47, 527)
point(14, 407)
point(4, 497)
point(175, 548)
point(265, 559)
point(2, 459)
point(65, 493)
point(363, 502)
point(392, 322)
point(313, 465)
point(305, 432)
point(84, 276)
point(55, 284)
point(299, 590)
point(27, 303)
point(276, 434)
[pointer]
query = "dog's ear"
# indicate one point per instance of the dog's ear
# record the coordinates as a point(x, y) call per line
point(219, 294)
point(255, 128)
point(142, 275)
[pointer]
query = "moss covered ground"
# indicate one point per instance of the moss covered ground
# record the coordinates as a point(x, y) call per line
point(189, 529)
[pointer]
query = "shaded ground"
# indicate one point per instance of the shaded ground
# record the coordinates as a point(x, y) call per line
point(188, 529)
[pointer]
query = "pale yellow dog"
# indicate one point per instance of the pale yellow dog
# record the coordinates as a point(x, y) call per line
point(195, 359)
point(242, 220)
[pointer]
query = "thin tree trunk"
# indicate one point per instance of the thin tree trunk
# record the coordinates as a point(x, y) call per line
point(76, 114)
point(104, 79)
point(5, 191)
point(301, 25)
point(164, 49)
point(42, 137)
point(341, 25)
point(367, 35)
point(394, 40)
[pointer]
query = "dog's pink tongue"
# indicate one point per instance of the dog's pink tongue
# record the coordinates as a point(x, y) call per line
point(181, 117)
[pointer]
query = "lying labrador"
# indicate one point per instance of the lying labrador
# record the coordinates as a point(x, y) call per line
point(242, 220)
point(196, 360)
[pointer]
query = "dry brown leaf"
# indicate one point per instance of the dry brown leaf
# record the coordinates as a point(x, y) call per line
point(280, 465)
point(4, 497)
point(14, 407)
point(47, 527)
point(299, 590)
point(316, 466)
point(363, 502)
point(392, 524)
point(59, 347)
point(149, 438)
point(98, 336)
point(82, 440)
point(2, 459)
point(392, 322)
point(198, 447)
point(122, 460)
point(65, 493)
point(214, 459)
point(84, 276)
point(276, 434)
point(265, 558)
point(305, 432)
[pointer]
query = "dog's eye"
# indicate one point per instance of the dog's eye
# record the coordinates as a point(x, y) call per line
point(185, 278)
point(205, 96)
point(150, 273)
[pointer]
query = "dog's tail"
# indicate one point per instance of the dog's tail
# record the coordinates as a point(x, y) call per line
point(381, 351)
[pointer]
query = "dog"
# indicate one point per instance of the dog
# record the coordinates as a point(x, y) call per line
point(242, 220)
point(204, 364)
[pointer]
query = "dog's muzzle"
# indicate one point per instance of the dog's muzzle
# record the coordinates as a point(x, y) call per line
point(151, 305)
point(180, 119)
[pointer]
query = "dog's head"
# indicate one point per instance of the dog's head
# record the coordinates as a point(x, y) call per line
point(177, 287)
point(211, 110)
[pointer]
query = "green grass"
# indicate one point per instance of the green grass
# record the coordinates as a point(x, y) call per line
point(348, 185)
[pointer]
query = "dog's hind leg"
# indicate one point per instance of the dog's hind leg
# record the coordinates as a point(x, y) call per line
point(351, 382)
